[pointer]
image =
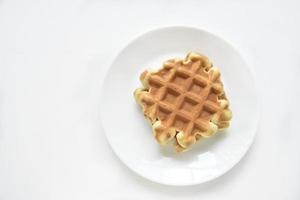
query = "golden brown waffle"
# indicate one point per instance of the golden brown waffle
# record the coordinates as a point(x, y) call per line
point(184, 100)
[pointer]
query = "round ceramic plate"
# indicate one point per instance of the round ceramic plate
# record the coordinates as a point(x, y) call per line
point(130, 135)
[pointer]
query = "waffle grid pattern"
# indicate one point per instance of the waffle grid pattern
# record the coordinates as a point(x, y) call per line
point(182, 99)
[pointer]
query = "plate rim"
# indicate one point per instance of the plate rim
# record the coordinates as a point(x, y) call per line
point(257, 97)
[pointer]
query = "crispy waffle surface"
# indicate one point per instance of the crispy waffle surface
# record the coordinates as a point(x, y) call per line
point(184, 101)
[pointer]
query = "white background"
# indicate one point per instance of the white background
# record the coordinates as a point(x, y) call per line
point(53, 58)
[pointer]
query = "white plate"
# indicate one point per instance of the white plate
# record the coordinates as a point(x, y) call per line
point(129, 134)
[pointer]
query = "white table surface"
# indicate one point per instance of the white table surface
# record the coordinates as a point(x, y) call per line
point(53, 58)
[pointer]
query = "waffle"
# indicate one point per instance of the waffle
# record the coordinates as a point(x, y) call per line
point(184, 100)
